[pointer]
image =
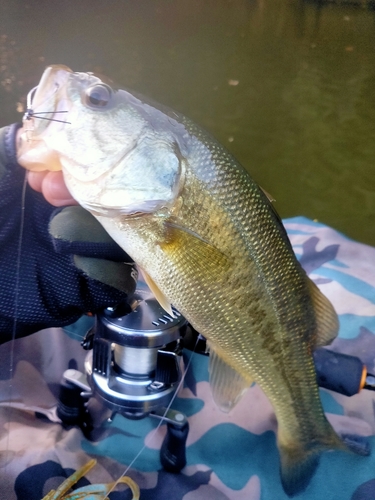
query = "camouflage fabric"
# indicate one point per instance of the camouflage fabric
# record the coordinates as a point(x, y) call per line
point(229, 456)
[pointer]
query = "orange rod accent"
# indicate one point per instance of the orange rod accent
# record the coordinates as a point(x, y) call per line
point(363, 378)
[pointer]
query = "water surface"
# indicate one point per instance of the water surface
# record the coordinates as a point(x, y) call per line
point(287, 85)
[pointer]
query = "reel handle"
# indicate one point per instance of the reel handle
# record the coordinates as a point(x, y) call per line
point(173, 450)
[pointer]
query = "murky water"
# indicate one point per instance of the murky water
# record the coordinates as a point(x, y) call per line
point(287, 85)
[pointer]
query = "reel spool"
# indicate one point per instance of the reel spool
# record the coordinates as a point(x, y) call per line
point(132, 368)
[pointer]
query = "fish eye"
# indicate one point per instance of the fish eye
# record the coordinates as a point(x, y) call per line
point(98, 95)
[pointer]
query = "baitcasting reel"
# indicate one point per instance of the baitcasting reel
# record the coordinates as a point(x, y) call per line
point(132, 368)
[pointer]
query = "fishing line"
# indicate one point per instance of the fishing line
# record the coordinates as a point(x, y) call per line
point(16, 305)
point(153, 433)
point(34, 115)
point(30, 113)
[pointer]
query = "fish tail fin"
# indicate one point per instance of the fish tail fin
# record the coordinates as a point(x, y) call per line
point(297, 469)
point(300, 461)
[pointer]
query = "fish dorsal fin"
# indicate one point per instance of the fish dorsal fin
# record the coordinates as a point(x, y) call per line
point(270, 200)
point(227, 385)
point(269, 196)
point(159, 295)
point(327, 323)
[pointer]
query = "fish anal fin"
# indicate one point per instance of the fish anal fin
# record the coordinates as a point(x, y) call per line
point(159, 295)
point(227, 384)
point(327, 322)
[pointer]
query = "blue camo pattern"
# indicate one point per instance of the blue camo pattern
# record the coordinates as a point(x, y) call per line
point(229, 456)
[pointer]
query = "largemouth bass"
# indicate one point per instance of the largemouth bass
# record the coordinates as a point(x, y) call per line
point(207, 239)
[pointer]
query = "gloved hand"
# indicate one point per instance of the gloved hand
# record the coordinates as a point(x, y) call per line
point(55, 265)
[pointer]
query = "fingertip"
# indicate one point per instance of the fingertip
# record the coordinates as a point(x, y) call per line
point(35, 180)
point(55, 191)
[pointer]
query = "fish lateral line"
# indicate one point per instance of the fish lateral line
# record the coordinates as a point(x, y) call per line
point(208, 176)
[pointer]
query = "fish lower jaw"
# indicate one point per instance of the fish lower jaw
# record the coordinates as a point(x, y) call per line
point(111, 212)
point(130, 211)
point(114, 211)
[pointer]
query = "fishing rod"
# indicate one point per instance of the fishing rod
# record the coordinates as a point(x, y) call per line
point(133, 368)
point(341, 373)
point(335, 371)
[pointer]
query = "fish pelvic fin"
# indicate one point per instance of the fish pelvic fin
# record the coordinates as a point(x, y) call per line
point(298, 463)
point(227, 384)
point(159, 295)
point(327, 323)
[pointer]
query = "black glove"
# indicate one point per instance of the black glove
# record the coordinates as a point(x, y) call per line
point(64, 265)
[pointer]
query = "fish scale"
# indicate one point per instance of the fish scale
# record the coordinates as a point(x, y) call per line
point(208, 241)
point(213, 295)
point(242, 321)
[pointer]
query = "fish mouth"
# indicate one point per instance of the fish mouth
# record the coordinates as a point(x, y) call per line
point(48, 107)
point(47, 102)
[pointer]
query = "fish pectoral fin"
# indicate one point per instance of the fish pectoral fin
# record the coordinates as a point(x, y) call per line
point(198, 253)
point(175, 230)
point(159, 295)
point(327, 323)
point(227, 385)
